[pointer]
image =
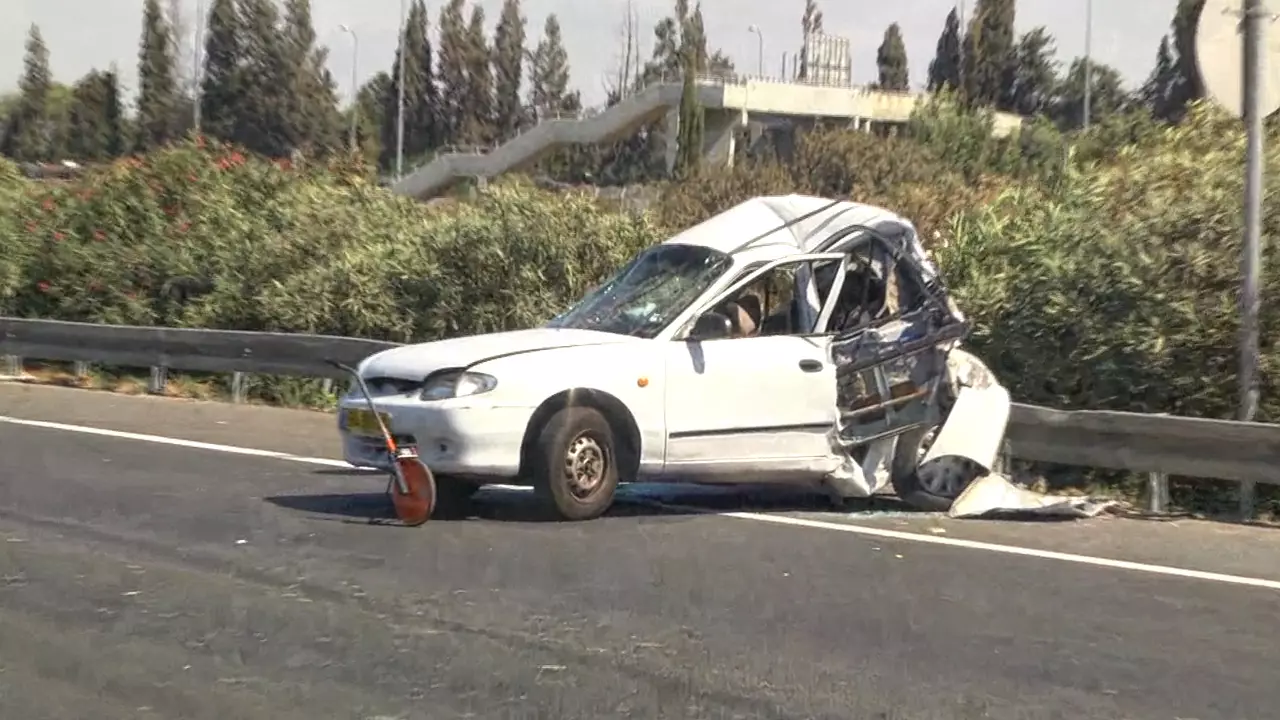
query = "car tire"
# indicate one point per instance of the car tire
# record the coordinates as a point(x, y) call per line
point(453, 497)
point(935, 487)
point(575, 464)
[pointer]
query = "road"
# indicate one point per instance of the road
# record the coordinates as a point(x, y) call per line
point(148, 580)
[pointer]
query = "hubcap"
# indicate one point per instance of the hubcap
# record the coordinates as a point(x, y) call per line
point(944, 477)
point(585, 464)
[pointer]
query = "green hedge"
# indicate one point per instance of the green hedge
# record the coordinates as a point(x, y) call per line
point(196, 237)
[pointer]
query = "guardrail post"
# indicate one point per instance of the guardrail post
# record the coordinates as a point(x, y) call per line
point(1248, 500)
point(326, 386)
point(11, 366)
point(80, 368)
point(237, 387)
point(159, 378)
point(1158, 492)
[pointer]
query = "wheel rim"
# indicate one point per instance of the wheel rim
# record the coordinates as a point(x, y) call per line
point(586, 463)
point(944, 477)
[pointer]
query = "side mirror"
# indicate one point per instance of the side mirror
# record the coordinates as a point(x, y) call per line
point(711, 326)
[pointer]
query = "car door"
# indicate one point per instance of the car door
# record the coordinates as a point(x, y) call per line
point(746, 409)
point(890, 369)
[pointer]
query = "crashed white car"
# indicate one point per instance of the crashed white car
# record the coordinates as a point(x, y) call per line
point(788, 340)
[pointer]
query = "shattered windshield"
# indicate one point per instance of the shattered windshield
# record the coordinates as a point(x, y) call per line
point(647, 293)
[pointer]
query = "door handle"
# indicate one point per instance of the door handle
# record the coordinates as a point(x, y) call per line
point(810, 365)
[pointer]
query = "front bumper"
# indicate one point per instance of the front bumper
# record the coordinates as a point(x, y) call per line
point(453, 437)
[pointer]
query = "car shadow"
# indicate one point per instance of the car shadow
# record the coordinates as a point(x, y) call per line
point(518, 505)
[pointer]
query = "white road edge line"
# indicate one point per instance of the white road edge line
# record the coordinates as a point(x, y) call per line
point(758, 517)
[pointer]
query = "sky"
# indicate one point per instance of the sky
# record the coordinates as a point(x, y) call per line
point(87, 34)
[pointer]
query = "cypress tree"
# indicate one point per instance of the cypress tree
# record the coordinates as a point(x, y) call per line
point(452, 67)
point(989, 53)
point(549, 73)
point(262, 120)
point(478, 122)
point(28, 135)
point(95, 122)
point(891, 61)
point(944, 71)
point(157, 80)
point(312, 120)
point(508, 67)
point(221, 94)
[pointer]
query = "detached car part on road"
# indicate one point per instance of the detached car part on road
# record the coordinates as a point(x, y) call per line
point(789, 340)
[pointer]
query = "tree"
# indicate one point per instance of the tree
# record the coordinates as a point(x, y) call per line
point(96, 123)
point(311, 118)
point(1034, 79)
point(184, 68)
point(263, 117)
point(452, 71)
point(157, 80)
point(422, 113)
point(508, 68)
point(221, 91)
point(478, 115)
point(810, 23)
point(1157, 93)
point(29, 133)
point(549, 73)
point(371, 105)
point(1186, 87)
point(1107, 95)
point(989, 53)
point(423, 97)
point(689, 139)
point(944, 71)
point(891, 61)
point(629, 70)
point(671, 35)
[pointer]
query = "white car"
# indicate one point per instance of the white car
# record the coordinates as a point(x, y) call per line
point(788, 340)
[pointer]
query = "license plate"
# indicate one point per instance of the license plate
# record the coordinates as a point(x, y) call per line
point(362, 422)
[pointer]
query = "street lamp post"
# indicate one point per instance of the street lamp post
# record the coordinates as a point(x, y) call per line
point(400, 96)
point(1088, 60)
point(197, 49)
point(760, 49)
point(355, 84)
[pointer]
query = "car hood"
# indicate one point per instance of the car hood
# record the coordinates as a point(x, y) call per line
point(414, 362)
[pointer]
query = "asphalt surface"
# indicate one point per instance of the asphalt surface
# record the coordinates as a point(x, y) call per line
point(141, 580)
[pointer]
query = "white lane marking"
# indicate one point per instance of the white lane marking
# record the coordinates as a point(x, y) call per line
point(758, 517)
point(196, 444)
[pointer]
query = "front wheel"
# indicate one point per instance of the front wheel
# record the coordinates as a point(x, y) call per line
point(934, 486)
point(575, 464)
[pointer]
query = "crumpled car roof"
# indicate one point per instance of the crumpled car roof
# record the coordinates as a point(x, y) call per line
point(728, 230)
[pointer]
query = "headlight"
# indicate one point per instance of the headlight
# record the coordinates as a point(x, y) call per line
point(455, 383)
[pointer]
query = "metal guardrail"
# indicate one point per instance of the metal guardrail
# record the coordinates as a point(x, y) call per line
point(1159, 445)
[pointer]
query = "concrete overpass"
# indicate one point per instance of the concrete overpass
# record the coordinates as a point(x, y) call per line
point(729, 106)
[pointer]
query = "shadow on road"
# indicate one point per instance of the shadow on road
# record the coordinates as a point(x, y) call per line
point(638, 500)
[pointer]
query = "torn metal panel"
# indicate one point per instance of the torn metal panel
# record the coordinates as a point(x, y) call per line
point(994, 495)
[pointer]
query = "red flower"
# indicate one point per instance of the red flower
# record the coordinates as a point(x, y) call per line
point(99, 235)
point(95, 286)
point(47, 204)
point(192, 177)
point(43, 286)
point(199, 140)
point(184, 227)
point(31, 226)
point(58, 237)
